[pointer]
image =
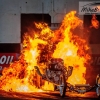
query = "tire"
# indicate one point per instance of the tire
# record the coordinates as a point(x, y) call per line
point(62, 87)
point(98, 91)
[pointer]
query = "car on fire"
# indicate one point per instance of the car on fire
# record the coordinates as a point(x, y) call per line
point(56, 73)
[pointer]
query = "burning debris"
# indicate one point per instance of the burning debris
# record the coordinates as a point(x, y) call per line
point(45, 44)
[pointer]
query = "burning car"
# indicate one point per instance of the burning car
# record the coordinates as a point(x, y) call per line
point(40, 48)
point(56, 73)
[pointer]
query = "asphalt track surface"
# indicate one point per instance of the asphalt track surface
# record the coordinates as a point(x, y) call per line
point(49, 95)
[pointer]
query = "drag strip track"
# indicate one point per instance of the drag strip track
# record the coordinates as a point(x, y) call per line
point(46, 96)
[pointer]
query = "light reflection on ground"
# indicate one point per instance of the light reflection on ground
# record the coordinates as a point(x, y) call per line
point(46, 96)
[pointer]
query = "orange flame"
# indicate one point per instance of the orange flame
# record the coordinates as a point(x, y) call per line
point(72, 49)
point(45, 44)
point(95, 22)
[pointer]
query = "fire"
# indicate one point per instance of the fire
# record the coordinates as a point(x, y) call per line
point(95, 22)
point(21, 76)
point(72, 49)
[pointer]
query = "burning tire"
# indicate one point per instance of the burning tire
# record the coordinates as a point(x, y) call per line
point(62, 87)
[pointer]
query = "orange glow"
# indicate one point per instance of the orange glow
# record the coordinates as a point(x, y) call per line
point(95, 22)
point(21, 76)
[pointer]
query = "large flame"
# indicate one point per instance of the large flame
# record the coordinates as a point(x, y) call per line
point(72, 49)
point(45, 44)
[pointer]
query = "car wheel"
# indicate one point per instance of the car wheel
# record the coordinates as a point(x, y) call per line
point(62, 87)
